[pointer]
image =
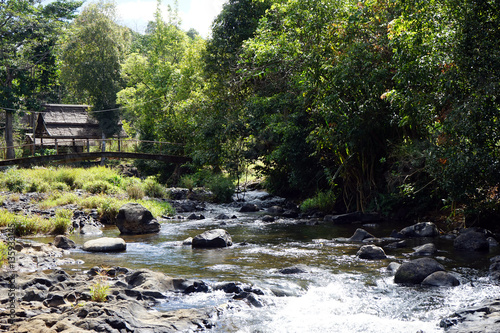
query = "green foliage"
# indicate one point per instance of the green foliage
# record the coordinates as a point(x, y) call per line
point(28, 65)
point(4, 253)
point(91, 53)
point(99, 289)
point(222, 187)
point(153, 189)
point(99, 187)
point(62, 221)
point(135, 191)
point(322, 201)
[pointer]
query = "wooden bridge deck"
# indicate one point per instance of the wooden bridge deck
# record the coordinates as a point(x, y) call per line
point(74, 157)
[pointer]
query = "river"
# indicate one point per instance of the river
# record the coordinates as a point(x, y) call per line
point(338, 293)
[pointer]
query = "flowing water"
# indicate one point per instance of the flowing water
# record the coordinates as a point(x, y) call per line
point(339, 292)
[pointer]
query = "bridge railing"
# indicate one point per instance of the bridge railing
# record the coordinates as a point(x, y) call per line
point(62, 146)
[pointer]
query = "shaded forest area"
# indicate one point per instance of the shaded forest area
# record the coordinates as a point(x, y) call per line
point(377, 105)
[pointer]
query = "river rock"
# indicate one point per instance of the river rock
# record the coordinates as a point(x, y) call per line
point(481, 318)
point(440, 279)
point(299, 269)
point(360, 235)
point(425, 250)
point(249, 208)
point(422, 229)
point(371, 252)
point(63, 242)
point(415, 271)
point(393, 267)
point(105, 244)
point(495, 268)
point(212, 239)
point(471, 241)
point(90, 230)
point(145, 279)
point(134, 219)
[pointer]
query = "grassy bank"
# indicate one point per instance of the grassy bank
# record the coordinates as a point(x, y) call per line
point(104, 190)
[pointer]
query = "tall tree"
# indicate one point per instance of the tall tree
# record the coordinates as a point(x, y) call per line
point(28, 31)
point(91, 54)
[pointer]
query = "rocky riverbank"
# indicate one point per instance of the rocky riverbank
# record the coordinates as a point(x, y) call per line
point(56, 299)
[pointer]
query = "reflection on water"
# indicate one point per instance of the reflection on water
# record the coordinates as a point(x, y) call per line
point(339, 293)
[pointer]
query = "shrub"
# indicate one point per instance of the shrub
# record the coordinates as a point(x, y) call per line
point(323, 201)
point(187, 181)
point(222, 188)
point(67, 176)
point(135, 191)
point(158, 208)
point(109, 208)
point(99, 187)
point(154, 189)
point(62, 222)
point(14, 182)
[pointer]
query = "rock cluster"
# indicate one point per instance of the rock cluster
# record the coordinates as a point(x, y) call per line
point(60, 302)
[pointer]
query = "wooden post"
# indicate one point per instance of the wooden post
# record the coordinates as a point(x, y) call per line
point(88, 145)
point(57, 146)
point(119, 144)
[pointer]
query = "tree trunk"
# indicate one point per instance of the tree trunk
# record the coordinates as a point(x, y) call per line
point(9, 135)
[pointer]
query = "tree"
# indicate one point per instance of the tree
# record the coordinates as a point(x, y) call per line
point(162, 78)
point(92, 51)
point(28, 31)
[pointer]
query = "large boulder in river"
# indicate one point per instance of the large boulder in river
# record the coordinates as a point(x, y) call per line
point(471, 241)
point(105, 244)
point(371, 252)
point(212, 239)
point(422, 229)
point(415, 271)
point(134, 219)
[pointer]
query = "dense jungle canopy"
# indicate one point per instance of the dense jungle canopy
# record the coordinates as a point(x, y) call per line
point(376, 105)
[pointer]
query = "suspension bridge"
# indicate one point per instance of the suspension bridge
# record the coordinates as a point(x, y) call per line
point(74, 150)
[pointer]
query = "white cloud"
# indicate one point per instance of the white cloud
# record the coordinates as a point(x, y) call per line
point(201, 14)
point(197, 14)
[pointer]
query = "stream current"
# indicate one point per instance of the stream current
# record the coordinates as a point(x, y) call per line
point(338, 293)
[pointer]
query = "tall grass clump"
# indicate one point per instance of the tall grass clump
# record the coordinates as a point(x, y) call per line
point(99, 290)
point(62, 221)
point(31, 225)
point(135, 191)
point(4, 253)
point(153, 189)
point(322, 201)
point(57, 198)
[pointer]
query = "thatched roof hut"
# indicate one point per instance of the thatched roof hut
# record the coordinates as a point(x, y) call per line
point(67, 125)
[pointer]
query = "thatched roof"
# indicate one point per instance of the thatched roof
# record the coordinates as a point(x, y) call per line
point(60, 121)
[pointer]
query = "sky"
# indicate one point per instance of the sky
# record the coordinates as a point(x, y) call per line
point(196, 14)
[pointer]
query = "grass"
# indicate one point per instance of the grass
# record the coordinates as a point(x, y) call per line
point(323, 201)
point(4, 253)
point(99, 290)
point(98, 182)
point(34, 224)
